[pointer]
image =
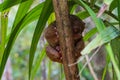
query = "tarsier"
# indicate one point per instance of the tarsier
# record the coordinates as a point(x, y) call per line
point(51, 34)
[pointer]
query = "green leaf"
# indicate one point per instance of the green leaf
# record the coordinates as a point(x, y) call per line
point(92, 45)
point(100, 26)
point(22, 10)
point(85, 73)
point(24, 21)
point(84, 14)
point(9, 3)
point(51, 18)
point(89, 34)
point(98, 22)
point(113, 5)
point(71, 6)
point(106, 36)
point(38, 61)
point(33, 14)
point(115, 44)
point(47, 10)
point(119, 11)
point(4, 25)
point(9, 47)
point(110, 52)
point(109, 33)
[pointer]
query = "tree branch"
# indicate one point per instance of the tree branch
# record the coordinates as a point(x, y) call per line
point(66, 40)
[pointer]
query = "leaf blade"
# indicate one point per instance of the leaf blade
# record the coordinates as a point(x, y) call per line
point(47, 9)
point(14, 35)
point(22, 10)
point(9, 3)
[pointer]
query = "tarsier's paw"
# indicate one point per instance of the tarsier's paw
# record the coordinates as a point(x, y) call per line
point(53, 54)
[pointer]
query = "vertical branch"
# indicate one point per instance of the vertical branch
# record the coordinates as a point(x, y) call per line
point(66, 40)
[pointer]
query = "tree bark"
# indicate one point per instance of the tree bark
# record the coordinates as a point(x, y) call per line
point(66, 40)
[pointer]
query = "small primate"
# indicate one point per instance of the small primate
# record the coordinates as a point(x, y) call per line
point(51, 34)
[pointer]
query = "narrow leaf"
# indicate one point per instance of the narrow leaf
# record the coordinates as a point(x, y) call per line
point(98, 22)
point(113, 5)
point(9, 47)
point(33, 14)
point(84, 14)
point(47, 10)
point(15, 33)
point(22, 10)
point(110, 52)
point(9, 3)
point(89, 34)
point(37, 63)
point(115, 44)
